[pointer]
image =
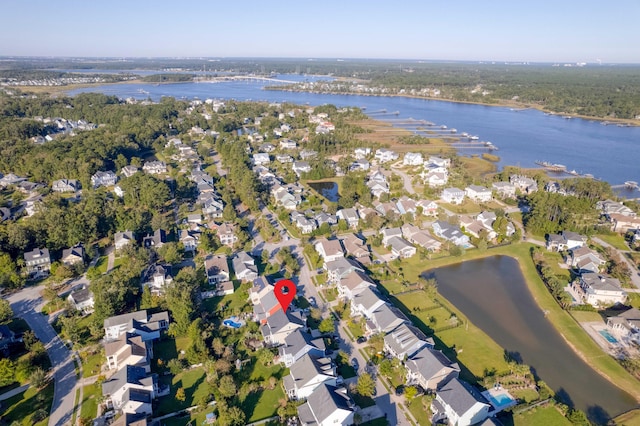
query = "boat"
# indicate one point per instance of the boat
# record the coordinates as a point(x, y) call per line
point(443, 127)
point(474, 138)
point(574, 173)
point(464, 134)
point(631, 184)
point(453, 130)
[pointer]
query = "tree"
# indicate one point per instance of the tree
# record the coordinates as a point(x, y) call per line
point(171, 253)
point(9, 276)
point(410, 392)
point(6, 313)
point(366, 385)
point(175, 366)
point(227, 387)
point(182, 298)
point(7, 372)
point(326, 326)
point(265, 356)
point(180, 395)
point(232, 416)
point(38, 378)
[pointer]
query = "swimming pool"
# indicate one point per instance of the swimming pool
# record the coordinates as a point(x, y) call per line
point(608, 336)
point(500, 399)
point(233, 322)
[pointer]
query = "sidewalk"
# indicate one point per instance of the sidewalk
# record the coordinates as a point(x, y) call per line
point(14, 392)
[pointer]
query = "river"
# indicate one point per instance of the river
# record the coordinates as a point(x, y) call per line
point(493, 294)
point(523, 137)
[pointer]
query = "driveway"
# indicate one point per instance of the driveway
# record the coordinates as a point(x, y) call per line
point(27, 304)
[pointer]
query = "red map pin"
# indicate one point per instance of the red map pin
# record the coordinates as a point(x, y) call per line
point(285, 291)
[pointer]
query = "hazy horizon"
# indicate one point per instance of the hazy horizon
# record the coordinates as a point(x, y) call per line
point(571, 31)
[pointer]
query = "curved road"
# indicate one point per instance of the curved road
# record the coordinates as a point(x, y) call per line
point(27, 304)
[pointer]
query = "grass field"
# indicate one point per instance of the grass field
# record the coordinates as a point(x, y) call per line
point(195, 388)
point(22, 407)
point(89, 404)
point(541, 416)
point(615, 240)
point(91, 363)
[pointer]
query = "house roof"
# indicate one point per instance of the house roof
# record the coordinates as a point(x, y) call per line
point(428, 362)
point(140, 316)
point(216, 264)
point(139, 395)
point(406, 339)
point(460, 396)
point(399, 244)
point(355, 279)
point(129, 374)
point(308, 367)
point(37, 253)
point(279, 320)
point(343, 265)
point(80, 296)
point(326, 399)
point(367, 298)
point(387, 318)
point(601, 282)
point(297, 340)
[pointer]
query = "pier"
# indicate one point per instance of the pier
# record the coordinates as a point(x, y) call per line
point(251, 78)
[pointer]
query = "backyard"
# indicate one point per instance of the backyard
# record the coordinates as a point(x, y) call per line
point(22, 408)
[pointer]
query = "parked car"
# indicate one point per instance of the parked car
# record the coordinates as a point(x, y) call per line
point(361, 339)
point(312, 302)
point(354, 363)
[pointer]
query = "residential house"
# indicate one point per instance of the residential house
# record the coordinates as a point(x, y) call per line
point(212, 207)
point(405, 340)
point(360, 164)
point(101, 178)
point(297, 344)
point(388, 209)
point(280, 325)
point(227, 234)
point(350, 215)
point(137, 402)
point(305, 225)
point(194, 218)
point(300, 167)
point(37, 262)
point(155, 240)
point(118, 191)
point(329, 250)
point(623, 223)
point(261, 158)
point(406, 205)
point(413, 159)
point(556, 242)
point(366, 302)
point(378, 188)
point(157, 277)
point(452, 195)
point(610, 207)
point(189, 239)
point(504, 189)
point(353, 283)
point(307, 375)
point(434, 179)
point(340, 268)
point(141, 323)
point(308, 154)
point(129, 170)
point(82, 300)
point(525, 184)
point(264, 300)
point(626, 325)
point(601, 290)
point(10, 179)
point(388, 234)
point(421, 238)
point(128, 349)
point(384, 155)
point(127, 419)
point(361, 153)
point(284, 158)
point(7, 337)
point(583, 259)
point(154, 167)
point(451, 233)
point(285, 198)
point(440, 162)
point(322, 218)
point(429, 208)
point(327, 406)
point(400, 248)
point(244, 266)
point(460, 404)
point(128, 377)
point(65, 185)
point(430, 369)
point(356, 248)
point(288, 144)
point(73, 255)
point(384, 319)
point(477, 193)
point(574, 240)
point(266, 147)
point(217, 269)
point(122, 239)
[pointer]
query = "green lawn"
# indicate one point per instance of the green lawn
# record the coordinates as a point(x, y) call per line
point(586, 316)
point(540, 416)
point(553, 259)
point(168, 348)
point(89, 404)
point(231, 303)
point(264, 402)
point(416, 407)
point(330, 294)
point(616, 240)
point(195, 388)
point(193, 418)
point(101, 265)
point(20, 408)
point(92, 363)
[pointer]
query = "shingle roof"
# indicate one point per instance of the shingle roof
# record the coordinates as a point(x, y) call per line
point(308, 367)
point(326, 399)
point(460, 396)
point(427, 362)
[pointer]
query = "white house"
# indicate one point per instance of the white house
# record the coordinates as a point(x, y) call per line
point(301, 167)
point(430, 369)
point(400, 248)
point(307, 375)
point(366, 302)
point(452, 195)
point(329, 250)
point(122, 239)
point(460, 404)
point(217, 269)
point(127, 378)
point(504, 189)
point(154, 167)
point(361, 153)
point(405, 340)
point(65, 185)
point(350, 215)
point(429, 208)
point(439, 161)
point(478, 193)
point(279, 326)
point(412, 159)
point(82, 300)
point(101, 178)
point(261, 159)
point(297, 344)
point(140, 323)
point(384, 155)
point(38, 262)
point(244, 266)
point(600, 290)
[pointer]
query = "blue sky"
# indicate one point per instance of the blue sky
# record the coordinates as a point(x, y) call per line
point(490, 30)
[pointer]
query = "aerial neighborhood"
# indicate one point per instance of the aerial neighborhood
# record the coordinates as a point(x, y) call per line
point(157, 251)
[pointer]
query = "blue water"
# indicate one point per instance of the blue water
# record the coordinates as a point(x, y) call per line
point(607, 152)
point(500, 400)
point(608, 336)
point(231, 323)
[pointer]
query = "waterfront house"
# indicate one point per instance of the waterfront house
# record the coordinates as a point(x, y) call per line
point(583, 259)
point(430, 368)
point(327, 406)
point(460, 404)
point(525, 184)
point(37, 263)
point(400, 248)
point(384, 319)
point(601, 290)
point(626, 325)
point(353, 283)
point(421, 238)
point(366, 302)
point(451, 233)
point(307, 375)
point(297, 344)
point(439, 161)
point(477, 193)
point(556, 242)
point(121, 239)
point(384, 155)
point(574, 240)
point(350, 215)
point(244, 266)
point(610, 207)
point(452, 195)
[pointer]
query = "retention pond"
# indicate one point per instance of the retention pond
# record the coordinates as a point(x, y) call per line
point(493, 294)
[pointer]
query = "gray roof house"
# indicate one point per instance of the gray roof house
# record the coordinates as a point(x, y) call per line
point(82, 300)
point(38, 262)
point(279, 325)
point(327, 405)
point(156, 240)
point(140, 323)
point(308, 374)
point(350, 215)
point(73, 255)
point(451, 233)
point(366, 302)
point(401, 248)
point(101, 178)
point(385, 319)
point(430, 369)
point(405, 340)
point(65, 185)
point(128, 377)
point(244, 267)
point(297, 344)
point(122, 239)
point(340, 268)
point(460, 403)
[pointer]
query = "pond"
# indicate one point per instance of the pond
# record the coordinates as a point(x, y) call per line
point(493, 294)
point(327, 189)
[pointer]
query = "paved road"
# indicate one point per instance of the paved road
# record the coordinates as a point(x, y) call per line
point(635, 275)
point(27, 304)
point(408, 186)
